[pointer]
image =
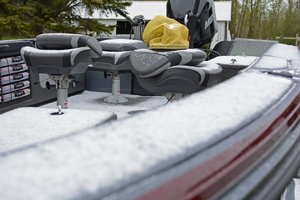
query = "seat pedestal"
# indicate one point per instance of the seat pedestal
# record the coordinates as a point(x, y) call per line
point(116, 82)
point(62, 86)
point(174, 96)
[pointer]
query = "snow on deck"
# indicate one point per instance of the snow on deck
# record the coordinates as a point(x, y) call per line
point(235, 60)
point(23, 127)
point(100, 160)
point(95, 101)
point(27, 126)
point(288, 52)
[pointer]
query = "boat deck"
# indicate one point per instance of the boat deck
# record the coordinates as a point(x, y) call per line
point(238, 139)
point(85, 111)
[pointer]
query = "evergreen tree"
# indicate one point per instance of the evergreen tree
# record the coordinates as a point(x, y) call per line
point(11, 22)
point(41, 16)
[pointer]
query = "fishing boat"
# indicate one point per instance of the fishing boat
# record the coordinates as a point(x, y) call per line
point(191, 127)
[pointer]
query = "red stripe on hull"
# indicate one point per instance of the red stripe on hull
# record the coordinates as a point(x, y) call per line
point(212, 176)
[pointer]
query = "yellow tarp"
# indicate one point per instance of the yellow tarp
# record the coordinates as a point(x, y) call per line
point(166, 33)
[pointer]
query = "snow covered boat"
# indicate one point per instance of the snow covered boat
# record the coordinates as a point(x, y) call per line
point(238, 139)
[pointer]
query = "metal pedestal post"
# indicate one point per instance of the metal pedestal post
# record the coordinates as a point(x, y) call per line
point(115, 97)
point(62, 85)
point(138, 32)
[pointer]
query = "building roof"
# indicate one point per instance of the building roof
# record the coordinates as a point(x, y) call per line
point(149, 9)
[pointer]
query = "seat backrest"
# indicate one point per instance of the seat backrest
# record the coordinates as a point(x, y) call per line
point(122, 45)
point(223, 48)
point(68, 61)
point(59, 41)
point(147, 63)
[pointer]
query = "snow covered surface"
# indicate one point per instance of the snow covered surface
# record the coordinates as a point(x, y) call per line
point(95, 101)
point(100, 160)
point(284, 51)
point(290, 53)
point(280, 58)
point(272, 63)
point(235, 60)
point(26, 126)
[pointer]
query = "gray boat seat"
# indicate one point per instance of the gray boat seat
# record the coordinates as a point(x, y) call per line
point(114, 60)
point(69, 61)
point(61, 56)
point(67, 41)
point(175, 73)
point(122, 45)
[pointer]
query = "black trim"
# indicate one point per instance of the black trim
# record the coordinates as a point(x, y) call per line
point(206, 79)
point(123, 58)
point(27, 58)
point(66, 59)
point(192, 75)
point(174, 58)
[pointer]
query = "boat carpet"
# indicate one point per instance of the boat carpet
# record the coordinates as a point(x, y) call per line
point(24, 127)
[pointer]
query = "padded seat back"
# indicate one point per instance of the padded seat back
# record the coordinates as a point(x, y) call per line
point(61, 53)
point(109, 60)
point(116, 53)
point(69, 61)
point(61, 41)
point(122, 45)
point(148, 63)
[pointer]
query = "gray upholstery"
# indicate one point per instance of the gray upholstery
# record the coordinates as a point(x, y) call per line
point(148, 63)
point(122, 45)
point(67, 41)
point(116, 53)
point(183, 78)
point(70, 61)
point(113, 61)
point(180, 71)
point(61, 53)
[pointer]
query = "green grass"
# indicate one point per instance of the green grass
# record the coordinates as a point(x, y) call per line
point(11, 38)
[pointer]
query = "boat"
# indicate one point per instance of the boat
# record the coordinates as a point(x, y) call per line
point(235, 139)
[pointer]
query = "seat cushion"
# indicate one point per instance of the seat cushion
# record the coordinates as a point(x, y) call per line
point(69, 61)
point(183, 78)
point(112, 61)
point(147, 63)
point(122, 45)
